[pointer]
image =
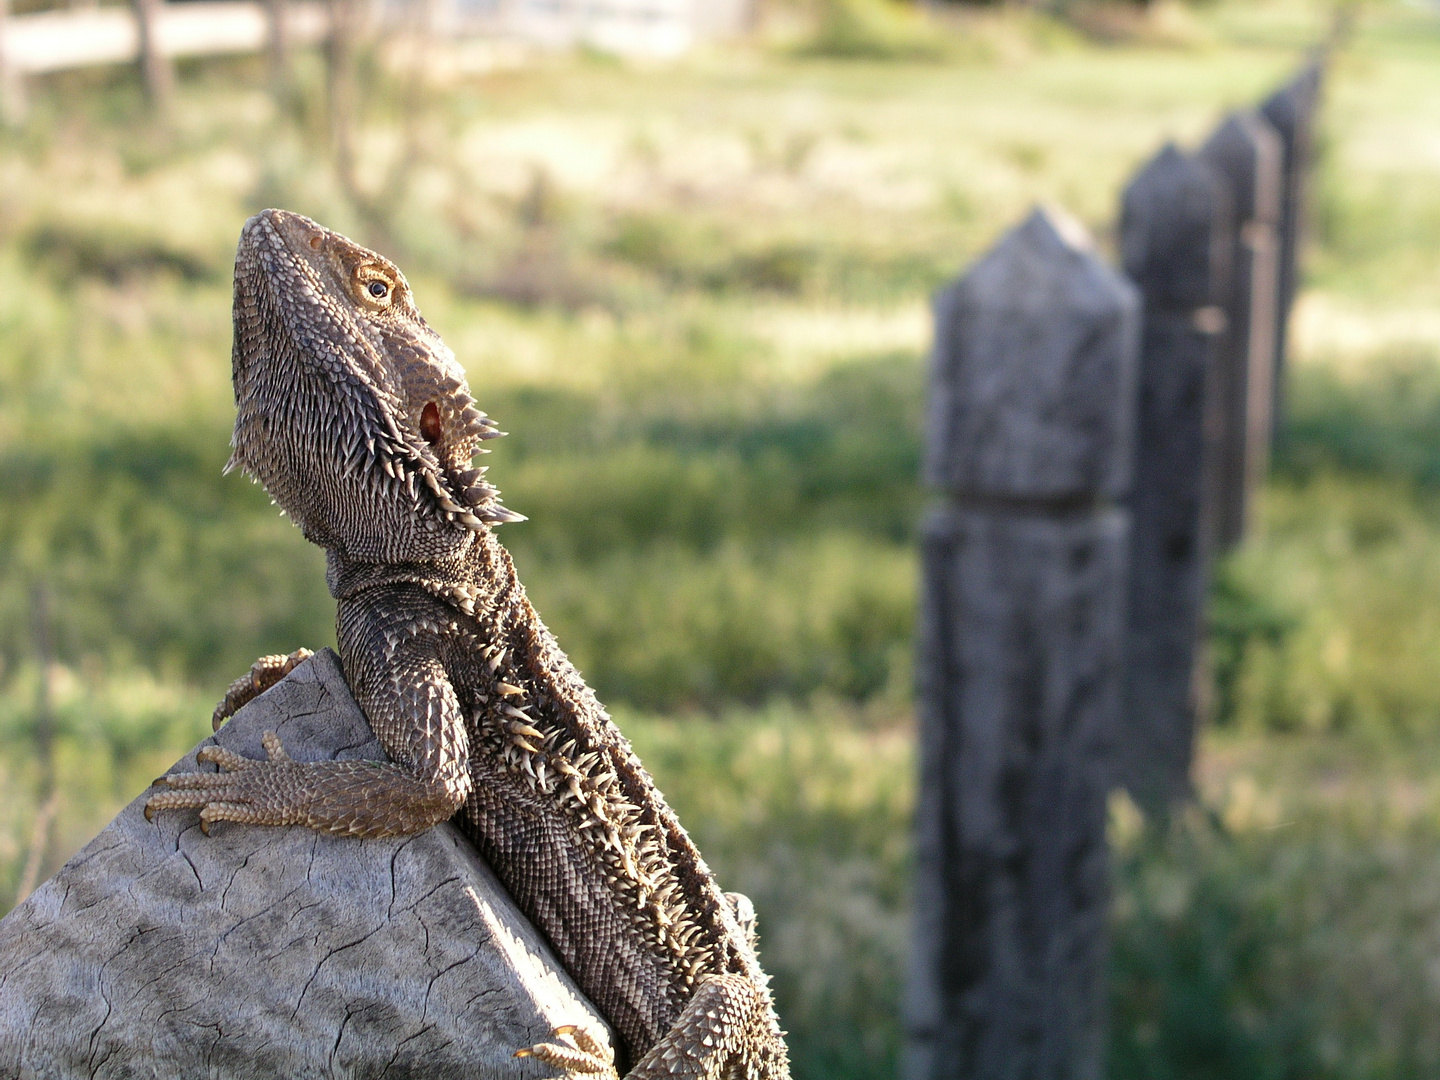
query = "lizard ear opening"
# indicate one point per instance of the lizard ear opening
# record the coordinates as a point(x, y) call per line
point(430, 423)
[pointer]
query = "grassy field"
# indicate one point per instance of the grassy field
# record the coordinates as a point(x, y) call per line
point(696, 294)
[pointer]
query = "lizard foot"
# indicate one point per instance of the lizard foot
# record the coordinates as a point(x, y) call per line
point(726, 1030)
point(353, 798)
point(263, 674)
point(251, 791)
point(579, 1054)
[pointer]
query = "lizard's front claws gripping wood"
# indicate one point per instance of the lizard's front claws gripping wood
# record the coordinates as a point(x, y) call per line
point(263, 674)
point(248, 790)
point(362, 798)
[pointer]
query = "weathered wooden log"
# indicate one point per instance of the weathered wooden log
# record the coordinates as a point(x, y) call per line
point(1174, 226)
point(1245, 152)
point(264, 952)
point(1291, 112)
point(1031, 405)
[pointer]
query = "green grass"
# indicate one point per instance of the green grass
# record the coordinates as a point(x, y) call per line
point(696, 295)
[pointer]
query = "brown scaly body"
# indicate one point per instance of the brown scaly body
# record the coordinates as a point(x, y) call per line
point(356, 418)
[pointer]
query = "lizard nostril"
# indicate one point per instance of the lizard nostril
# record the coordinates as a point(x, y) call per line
point(316, 240)
point(430, 423)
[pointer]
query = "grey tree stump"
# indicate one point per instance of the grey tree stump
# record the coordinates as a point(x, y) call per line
point(1174, 226)
point(1246, 152)
point(1291, 112)
point(1031, 405)
point(268, 952)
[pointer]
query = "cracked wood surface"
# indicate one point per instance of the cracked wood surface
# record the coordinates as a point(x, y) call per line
point(277, 951)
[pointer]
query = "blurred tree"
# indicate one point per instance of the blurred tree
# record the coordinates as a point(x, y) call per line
point(155, 67)
point(278, 48)
point(12, 85)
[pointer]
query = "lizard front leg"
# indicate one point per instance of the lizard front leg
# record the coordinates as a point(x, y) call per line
point(425, 784)
point(263, 674)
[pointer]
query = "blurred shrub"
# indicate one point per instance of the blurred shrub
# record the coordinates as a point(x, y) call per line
point(1241, 619)
point(1383, 419)
point(664, 628)
point(687, 252)
point(841, 451)
point(113, 254)
point(1326, 621)
point(873, 30)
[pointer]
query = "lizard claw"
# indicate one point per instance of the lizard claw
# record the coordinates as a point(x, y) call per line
point(246, 789)
point(263, 674)
point(579, 1054)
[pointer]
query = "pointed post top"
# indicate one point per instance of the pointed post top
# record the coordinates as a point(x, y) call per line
point(1291, 105)
point(1047, 260)
point(1172, 212)
point(1061, 225)
point(1247, 151)
point(1033, 370)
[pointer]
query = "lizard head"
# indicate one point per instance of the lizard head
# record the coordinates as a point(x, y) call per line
point(349, 408)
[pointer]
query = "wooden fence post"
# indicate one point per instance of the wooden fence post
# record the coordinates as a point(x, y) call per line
point(1174, 227)
point(1291, 112)
point(1245, 151)
point(155, 67)
point(1029, 433)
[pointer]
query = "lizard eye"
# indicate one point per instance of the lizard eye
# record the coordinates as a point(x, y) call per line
point(378, 289)
point(430, 423)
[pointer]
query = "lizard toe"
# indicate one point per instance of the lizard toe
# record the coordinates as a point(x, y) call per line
point(580, 1054)
point(226, 759)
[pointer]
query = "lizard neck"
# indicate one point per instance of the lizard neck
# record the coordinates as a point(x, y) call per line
point(480, 581)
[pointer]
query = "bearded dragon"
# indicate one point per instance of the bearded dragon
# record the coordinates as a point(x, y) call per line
point(358, 421)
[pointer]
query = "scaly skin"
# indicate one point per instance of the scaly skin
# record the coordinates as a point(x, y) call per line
point(357, 419)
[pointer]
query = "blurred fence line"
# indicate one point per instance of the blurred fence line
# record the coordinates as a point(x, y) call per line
point(655, 28)
point(151, 31)
point(81, 37)
point(1095, 443)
